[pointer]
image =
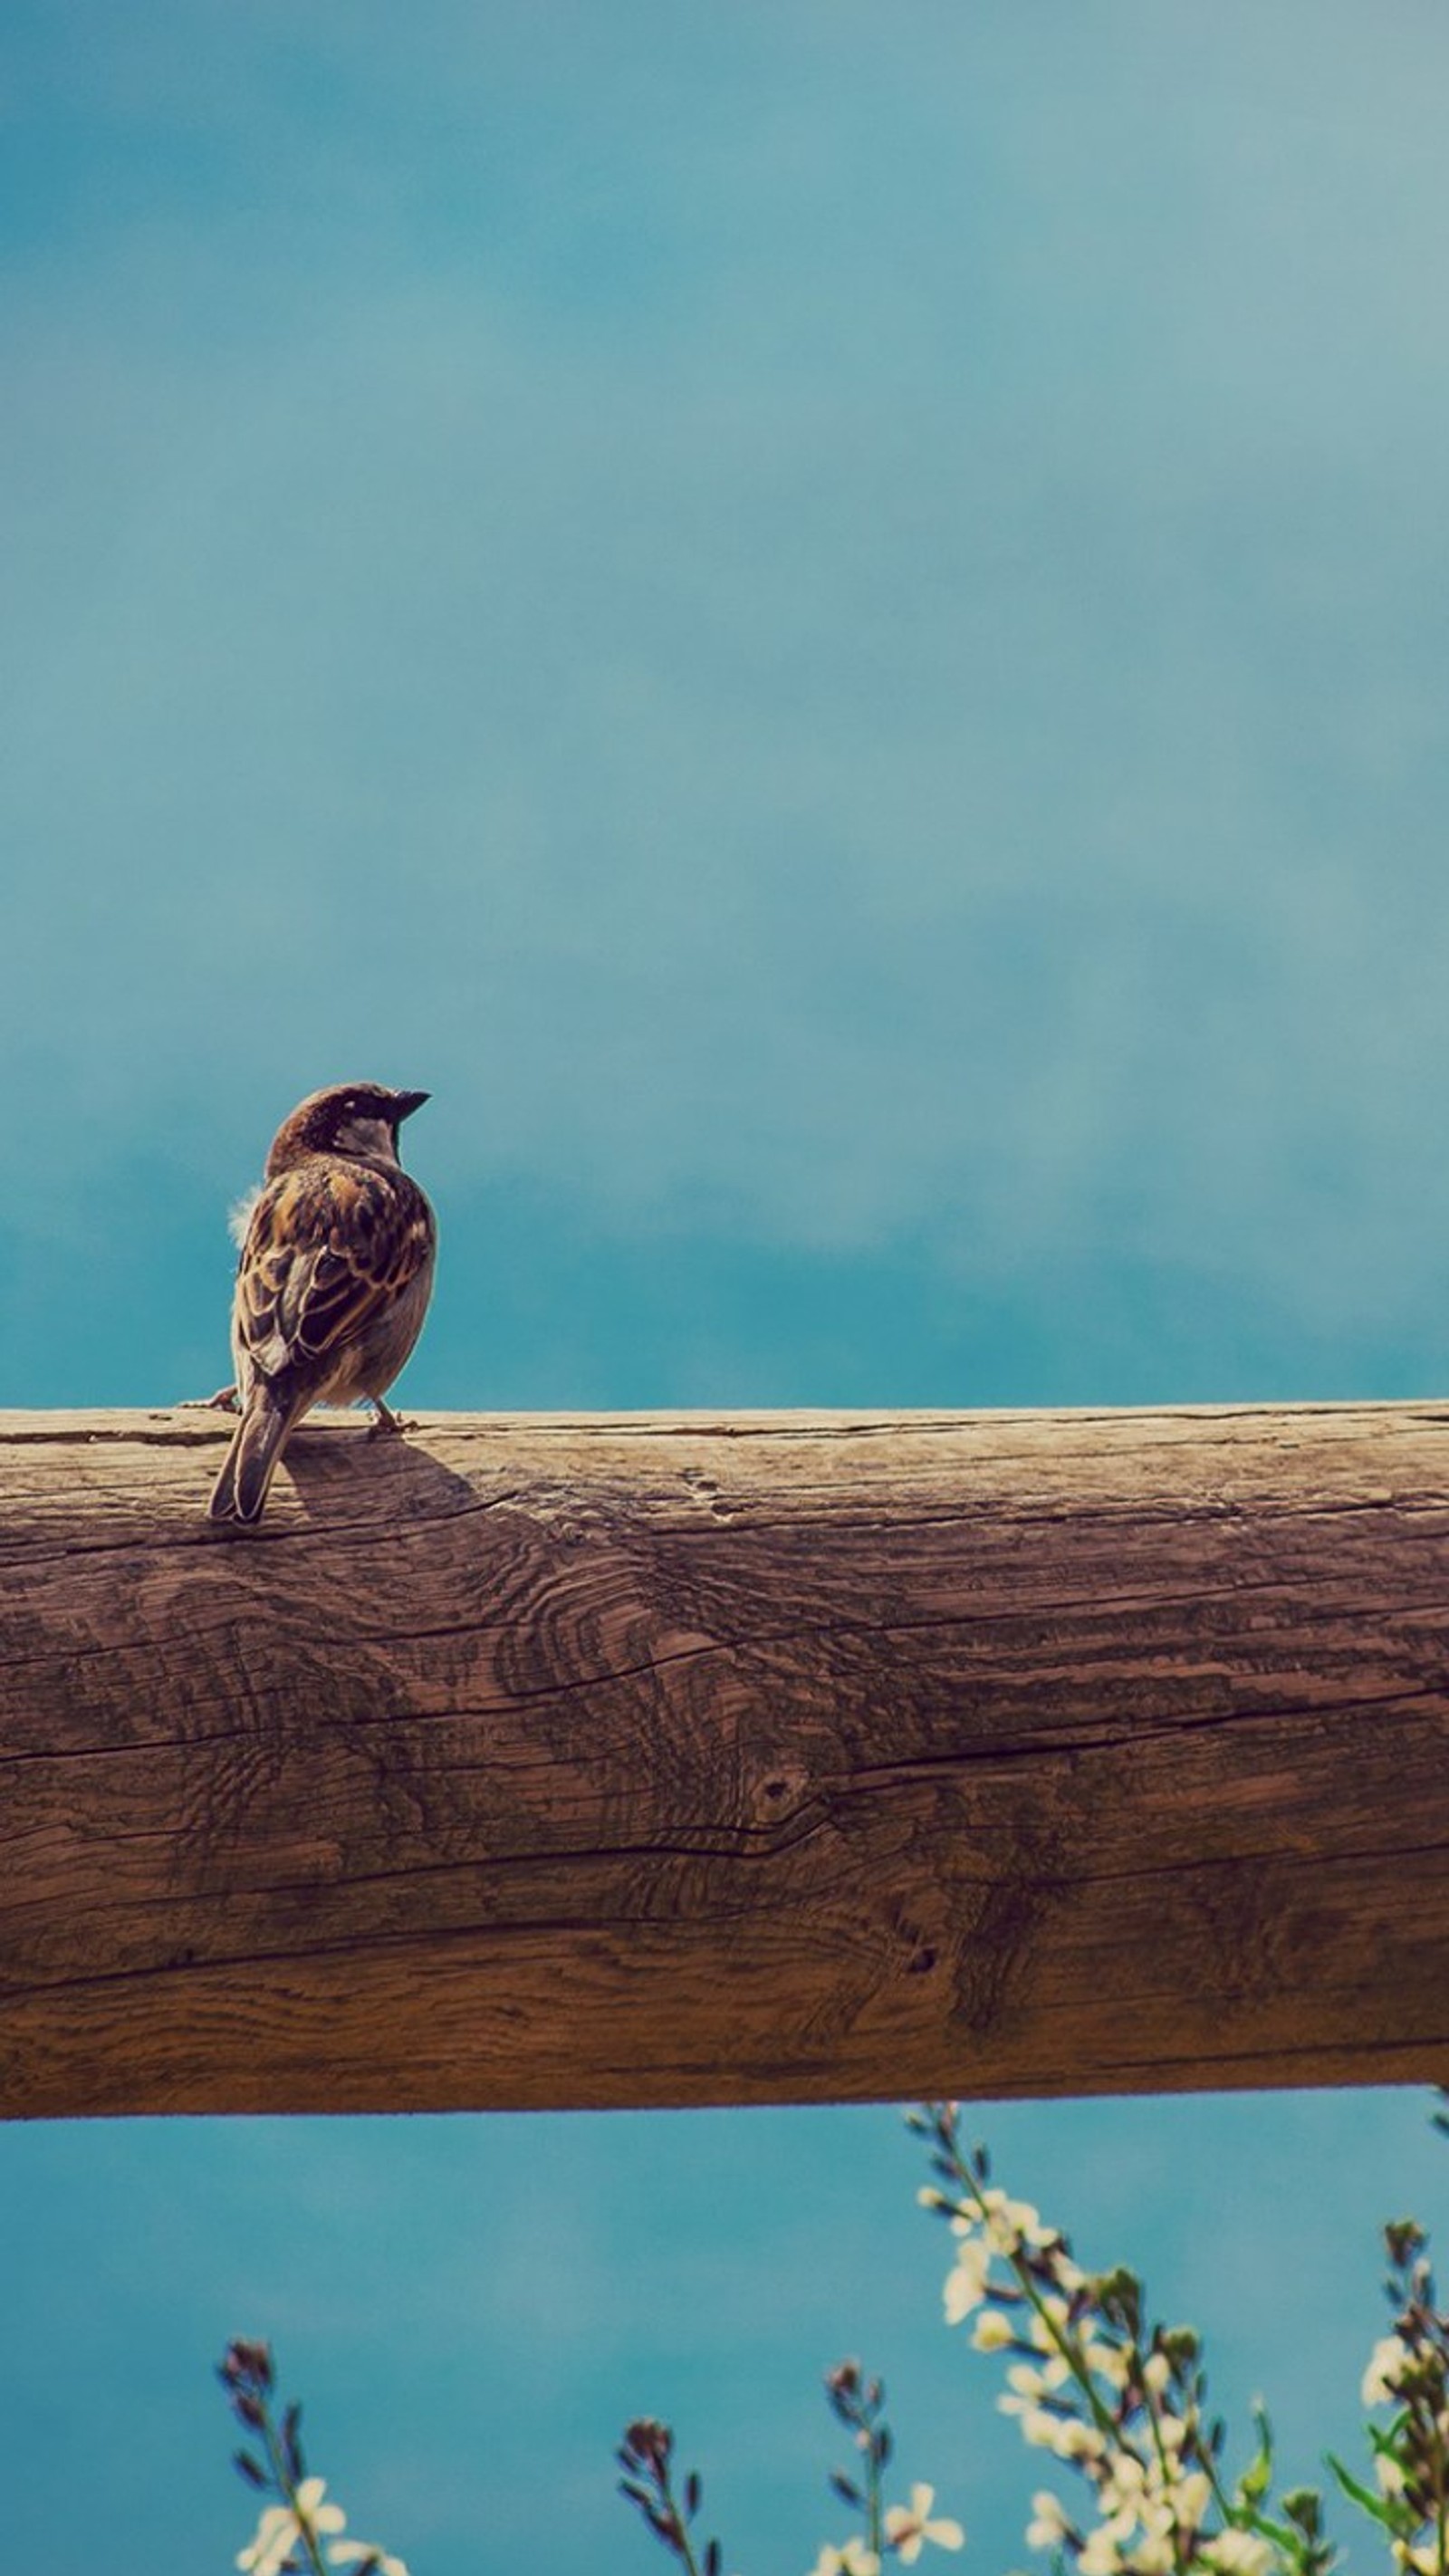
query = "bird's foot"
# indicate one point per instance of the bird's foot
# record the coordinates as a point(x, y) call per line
point(225, 1400)
point(385, 1424)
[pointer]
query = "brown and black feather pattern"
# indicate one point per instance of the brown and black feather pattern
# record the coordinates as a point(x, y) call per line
point(332, 1288)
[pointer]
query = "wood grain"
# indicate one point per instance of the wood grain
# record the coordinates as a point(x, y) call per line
point(752, 1758)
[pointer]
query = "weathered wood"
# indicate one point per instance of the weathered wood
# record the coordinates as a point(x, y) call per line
point(761, 1758)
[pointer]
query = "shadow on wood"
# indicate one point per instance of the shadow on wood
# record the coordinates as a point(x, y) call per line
point(645, 1760)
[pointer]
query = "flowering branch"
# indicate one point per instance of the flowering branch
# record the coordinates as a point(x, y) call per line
point(902, 2531)
point(646, 2456)
point(1118, 2400)
point(301, 2519)
point(1121, 2402)
point(860, 2405)
point(1409, 2370)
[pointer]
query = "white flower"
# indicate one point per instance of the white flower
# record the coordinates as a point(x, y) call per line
point(1099, 2555)
point(1386, 2363)
point(993, 2331)
point(1047, 2329)
point(283, 2525)
point(1126, 2482)
point(270, 2542)
point(1038, 2424)
point(1010, 2224)
point(1047, 2431)
point(1240, 2552)
point(1073, 2440)
point(1109, 2361)
point(1191, 2497)
point(360, 2553)
point(908, 2528)
point(853, 2560)
point(966, 2281)
point(1424, 2560)
point(1390, 2474)
point(1154, 2556)
point(1156, 2374)
point(1048, 2526)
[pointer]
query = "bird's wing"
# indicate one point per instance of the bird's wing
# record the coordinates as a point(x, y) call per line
point(327, 1248)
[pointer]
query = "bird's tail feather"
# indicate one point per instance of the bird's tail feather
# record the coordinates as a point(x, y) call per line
point(256, 1446)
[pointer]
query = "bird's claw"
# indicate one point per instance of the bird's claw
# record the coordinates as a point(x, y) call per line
point(225, 1400)
point(385, 1424)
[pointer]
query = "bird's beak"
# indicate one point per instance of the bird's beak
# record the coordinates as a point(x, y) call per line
point(405, 1102)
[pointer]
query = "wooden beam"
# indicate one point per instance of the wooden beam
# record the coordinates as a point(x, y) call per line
point(752, 1758)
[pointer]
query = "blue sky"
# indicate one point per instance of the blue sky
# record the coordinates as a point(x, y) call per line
point(832, 623)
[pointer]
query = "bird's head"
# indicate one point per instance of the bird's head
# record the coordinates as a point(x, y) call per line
point(348, 1118)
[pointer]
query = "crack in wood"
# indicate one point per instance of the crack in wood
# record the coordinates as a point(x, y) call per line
point(811, 1755)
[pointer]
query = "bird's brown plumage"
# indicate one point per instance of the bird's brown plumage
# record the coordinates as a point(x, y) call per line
point(334, 1278)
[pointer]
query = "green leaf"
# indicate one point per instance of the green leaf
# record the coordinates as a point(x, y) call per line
point(1383, 2512)
point(1257, 2477)
point(1304, 2506)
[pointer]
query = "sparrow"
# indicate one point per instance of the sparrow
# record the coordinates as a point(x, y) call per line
point(333, 1283)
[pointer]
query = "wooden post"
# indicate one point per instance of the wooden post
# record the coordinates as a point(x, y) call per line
point(751, 1758)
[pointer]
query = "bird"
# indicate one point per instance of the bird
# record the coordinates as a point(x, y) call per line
point(333, 1283)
